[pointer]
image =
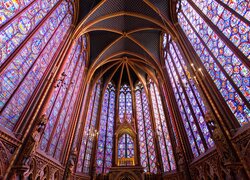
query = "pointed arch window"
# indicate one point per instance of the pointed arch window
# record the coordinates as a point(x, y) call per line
point(24, 71)
point(85, 52)
point(89, 132)
point(219, 34)
point(146, 140)
point(162, 130)
point(125, 148)
point(106, 131)
point(190, 104)
point(125, 103)
point(62, 103)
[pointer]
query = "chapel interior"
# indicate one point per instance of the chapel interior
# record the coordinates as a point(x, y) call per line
point(125, 89)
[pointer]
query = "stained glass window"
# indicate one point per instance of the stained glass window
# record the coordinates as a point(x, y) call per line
point(106, 131)
point(78, 127)
point(146, 140)
point(220, 37)
point(62, 102)
point(235, 29)
point(13, 34)
point(89, 132)
point(162, 130)
point(125, 147)
point(9, 8)
point(25, 70)
point(240, 6)
point(171, 120)
point(125, 103)
point(190, 104)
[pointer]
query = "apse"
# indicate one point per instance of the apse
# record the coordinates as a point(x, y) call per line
point(124, 89)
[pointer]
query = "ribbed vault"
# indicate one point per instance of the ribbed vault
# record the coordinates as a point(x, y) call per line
point(124, 36)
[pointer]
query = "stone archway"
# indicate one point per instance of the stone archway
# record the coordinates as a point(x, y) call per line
point(127, 176)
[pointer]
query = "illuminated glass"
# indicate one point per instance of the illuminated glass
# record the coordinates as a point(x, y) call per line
point(190, 104)
point(21, 77)
point(229, 73)
point(162, 130)
point(106, 132)
point(89, 132)
point(125, 103)
point(144, 126)
point(230, 25)
point(125, 146)
point(62, 102)
point(15, 33)
point(9, 8)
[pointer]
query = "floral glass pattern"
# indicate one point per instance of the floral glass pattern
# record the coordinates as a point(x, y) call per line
point(106, 131)
point(220, 37)
point(14, 33)
point(190, 104)
point(162, 130)
point(25, 70)
point(89, 132)
point(125, 146)
point(145, 130)
point(125, 103)
point(62, 102)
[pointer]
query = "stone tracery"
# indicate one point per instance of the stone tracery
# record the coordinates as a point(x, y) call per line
point(124, 89)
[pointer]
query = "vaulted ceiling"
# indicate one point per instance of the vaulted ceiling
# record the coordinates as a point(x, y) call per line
point(124, 36)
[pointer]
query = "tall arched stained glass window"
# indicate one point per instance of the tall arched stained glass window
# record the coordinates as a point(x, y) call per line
point(219, 34)
point(62, 102)
point(85, 53)
point(162, 130)
point(15, 32)
point(146, 140)
point(190, 104)
point(125, 103)
point(24, 71)
point(125, 148)
point(89, 132)
point(106, 131)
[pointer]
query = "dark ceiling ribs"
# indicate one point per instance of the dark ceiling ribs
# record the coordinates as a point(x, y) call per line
point(127, 31)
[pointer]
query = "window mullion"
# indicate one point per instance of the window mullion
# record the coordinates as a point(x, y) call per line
point(107, 117)
point(65, 117)
point(233, 12)
point(189, 103)
point(87, 138)
point(233, 47)
point(59, 112)
point(160, 121)
point(219, 65)
point(187, 119)
point(143, 120)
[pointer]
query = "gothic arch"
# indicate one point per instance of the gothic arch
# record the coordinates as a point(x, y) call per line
point(127, 174)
